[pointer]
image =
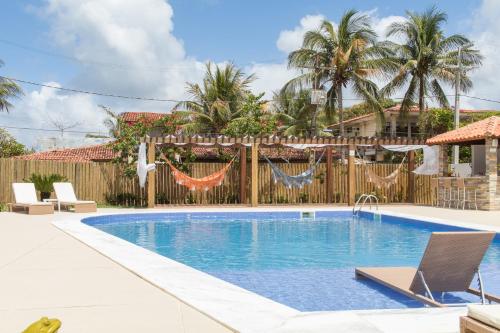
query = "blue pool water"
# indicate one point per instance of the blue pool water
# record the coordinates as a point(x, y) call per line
point(307, 264)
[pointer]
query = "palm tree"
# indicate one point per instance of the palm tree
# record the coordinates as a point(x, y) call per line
point(292, 111)
point(335, 58)
point(427, 59)
point(216, 101)
point(8, 89)
point(112, 123)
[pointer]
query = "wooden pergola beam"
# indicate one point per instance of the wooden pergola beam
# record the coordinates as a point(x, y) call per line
point(255, 175)
point(151, 176)
point(351, 175)
point(269, 140)
point(243, 174)
point(329, 175)
point(411, 176)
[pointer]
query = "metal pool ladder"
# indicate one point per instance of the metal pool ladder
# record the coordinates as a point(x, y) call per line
point(364, 198)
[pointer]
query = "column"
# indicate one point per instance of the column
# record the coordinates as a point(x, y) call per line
point(443, 161)
point(491, 147)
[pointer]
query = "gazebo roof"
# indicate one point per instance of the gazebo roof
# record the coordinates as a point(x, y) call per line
point(488, 128)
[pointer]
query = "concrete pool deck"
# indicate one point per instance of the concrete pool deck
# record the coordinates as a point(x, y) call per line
point(46, 272)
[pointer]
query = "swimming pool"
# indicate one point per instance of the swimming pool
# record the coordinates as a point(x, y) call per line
point(307, 264)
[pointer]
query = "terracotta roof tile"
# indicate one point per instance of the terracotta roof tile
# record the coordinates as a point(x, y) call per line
point(80, 154)
point(487, 128)
point(132, 117)
point(102, 153)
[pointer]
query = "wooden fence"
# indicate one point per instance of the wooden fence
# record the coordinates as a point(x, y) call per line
point(105, 183)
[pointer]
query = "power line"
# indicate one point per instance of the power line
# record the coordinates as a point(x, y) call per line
point(49, 130)
point(137, 97)
point(482, 99)
point(89, 92)
point(178, 101)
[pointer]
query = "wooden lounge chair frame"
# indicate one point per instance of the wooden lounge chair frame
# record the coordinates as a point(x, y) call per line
point(449, 264)
point(67, 198)
point(471, 325)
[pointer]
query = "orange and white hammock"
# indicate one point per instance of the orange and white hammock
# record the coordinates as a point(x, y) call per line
point(199, 184)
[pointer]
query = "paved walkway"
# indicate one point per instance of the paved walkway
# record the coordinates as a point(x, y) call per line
point(486, 218)
point(45, 272)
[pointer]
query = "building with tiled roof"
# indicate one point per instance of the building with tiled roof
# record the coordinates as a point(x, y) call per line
point(477, 132)
point(367, 124)
point(104, 153)
point(97, 153)
point(134, 117)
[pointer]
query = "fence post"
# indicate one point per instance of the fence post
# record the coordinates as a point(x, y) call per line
point(243, 174)
point(329, 180)
point(151, 177)
point(255, 174)
point(351, 173)
point(411, 176)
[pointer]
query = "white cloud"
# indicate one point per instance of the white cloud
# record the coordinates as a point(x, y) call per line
point(270, 77)
point(485, 32)
point(291, 40)
point(39, 109)
point(138, 55)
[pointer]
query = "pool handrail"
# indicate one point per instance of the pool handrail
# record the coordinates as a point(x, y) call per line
point(366, 197)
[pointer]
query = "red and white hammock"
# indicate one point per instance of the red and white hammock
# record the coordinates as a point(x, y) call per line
point(199, 184)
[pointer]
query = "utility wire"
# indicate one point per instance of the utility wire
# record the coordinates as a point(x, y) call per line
point(50, 130)
point(178, 101)
point(89, 92)
point(482, 99)
point(148, 98)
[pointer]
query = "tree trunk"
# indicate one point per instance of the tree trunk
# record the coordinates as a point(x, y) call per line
point(421, 95)
point(314, 121)
point(341, 109)
point(421, 102)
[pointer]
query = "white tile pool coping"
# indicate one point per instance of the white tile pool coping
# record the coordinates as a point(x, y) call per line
point(244, 311)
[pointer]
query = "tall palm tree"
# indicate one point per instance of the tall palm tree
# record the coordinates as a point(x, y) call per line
point(427, 59)
point(112, 123)
point(8, 89)
point(216, 101)
point(334, 58)
point(292, 110)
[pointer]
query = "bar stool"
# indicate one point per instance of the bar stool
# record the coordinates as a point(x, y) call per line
point(464, 194)
point(447, 192)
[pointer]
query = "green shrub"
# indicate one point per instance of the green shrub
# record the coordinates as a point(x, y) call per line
point(44, 183)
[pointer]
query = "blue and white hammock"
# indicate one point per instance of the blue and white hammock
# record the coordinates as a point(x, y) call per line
point(297, 181)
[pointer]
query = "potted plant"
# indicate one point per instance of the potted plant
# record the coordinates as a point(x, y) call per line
point(43, 183)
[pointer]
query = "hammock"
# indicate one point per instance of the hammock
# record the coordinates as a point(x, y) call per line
point(199, 184)
point(297, 181)
point(386, 181)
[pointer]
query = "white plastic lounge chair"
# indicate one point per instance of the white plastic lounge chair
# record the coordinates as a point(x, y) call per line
point(481, 319)
point(66, 197)
point(449, 264)
point(25, 196)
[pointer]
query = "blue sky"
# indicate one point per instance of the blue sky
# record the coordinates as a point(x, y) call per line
point(152, 47)
point(235, 30)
